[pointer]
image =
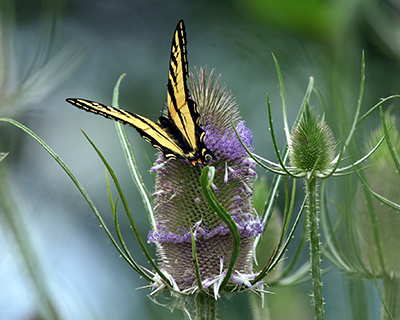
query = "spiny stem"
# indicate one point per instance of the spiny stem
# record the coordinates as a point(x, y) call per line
point(312, 222)
point(206, 307)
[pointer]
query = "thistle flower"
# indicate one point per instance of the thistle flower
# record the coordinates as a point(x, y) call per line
point(182, 209)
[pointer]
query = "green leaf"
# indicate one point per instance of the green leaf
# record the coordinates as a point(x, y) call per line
point(391, 147)
point(196, 261)
point(114, 207)
point(129, 214)
point(283, 97)
point(206, 180)
point(281, 249)
point(131, 160)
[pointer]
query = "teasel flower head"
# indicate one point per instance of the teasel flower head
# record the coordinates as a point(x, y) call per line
point(311, 145)
point(182, 211)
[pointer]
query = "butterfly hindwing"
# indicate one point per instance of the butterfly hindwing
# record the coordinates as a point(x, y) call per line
point(178, 133)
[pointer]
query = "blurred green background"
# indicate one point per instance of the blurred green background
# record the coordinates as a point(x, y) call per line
point(52, 50)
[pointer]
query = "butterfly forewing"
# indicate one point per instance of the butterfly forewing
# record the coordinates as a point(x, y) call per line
point(178, 134)
point(182, 109)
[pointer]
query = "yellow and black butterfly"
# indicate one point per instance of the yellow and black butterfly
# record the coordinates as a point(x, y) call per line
point(177, 134)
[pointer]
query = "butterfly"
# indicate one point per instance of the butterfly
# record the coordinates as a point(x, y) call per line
point(178, 134)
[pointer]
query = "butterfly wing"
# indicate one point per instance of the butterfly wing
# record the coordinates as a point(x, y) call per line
point(177, 135)
point(182, 109)
point(148, 129)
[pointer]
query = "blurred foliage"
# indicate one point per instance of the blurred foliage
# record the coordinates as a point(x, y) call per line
point(323, 20)
point(380, 223)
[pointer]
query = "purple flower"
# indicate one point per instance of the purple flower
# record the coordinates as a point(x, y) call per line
point(181, 208)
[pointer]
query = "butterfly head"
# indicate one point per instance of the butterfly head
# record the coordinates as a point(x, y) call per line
point(196, 162)
point(202, 159)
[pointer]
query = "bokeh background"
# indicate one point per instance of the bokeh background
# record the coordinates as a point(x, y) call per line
point(54, 49)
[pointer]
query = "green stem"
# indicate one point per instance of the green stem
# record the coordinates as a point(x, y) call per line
point(391, 296)
point(312, 222)
point(206, 307)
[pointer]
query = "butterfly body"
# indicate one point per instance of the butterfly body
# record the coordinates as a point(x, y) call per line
point(178, 134)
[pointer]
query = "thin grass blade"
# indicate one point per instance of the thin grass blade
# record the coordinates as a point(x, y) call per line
point(131, 160)
point(128, 212)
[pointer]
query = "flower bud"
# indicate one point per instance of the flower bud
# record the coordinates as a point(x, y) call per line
point(311, 145)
